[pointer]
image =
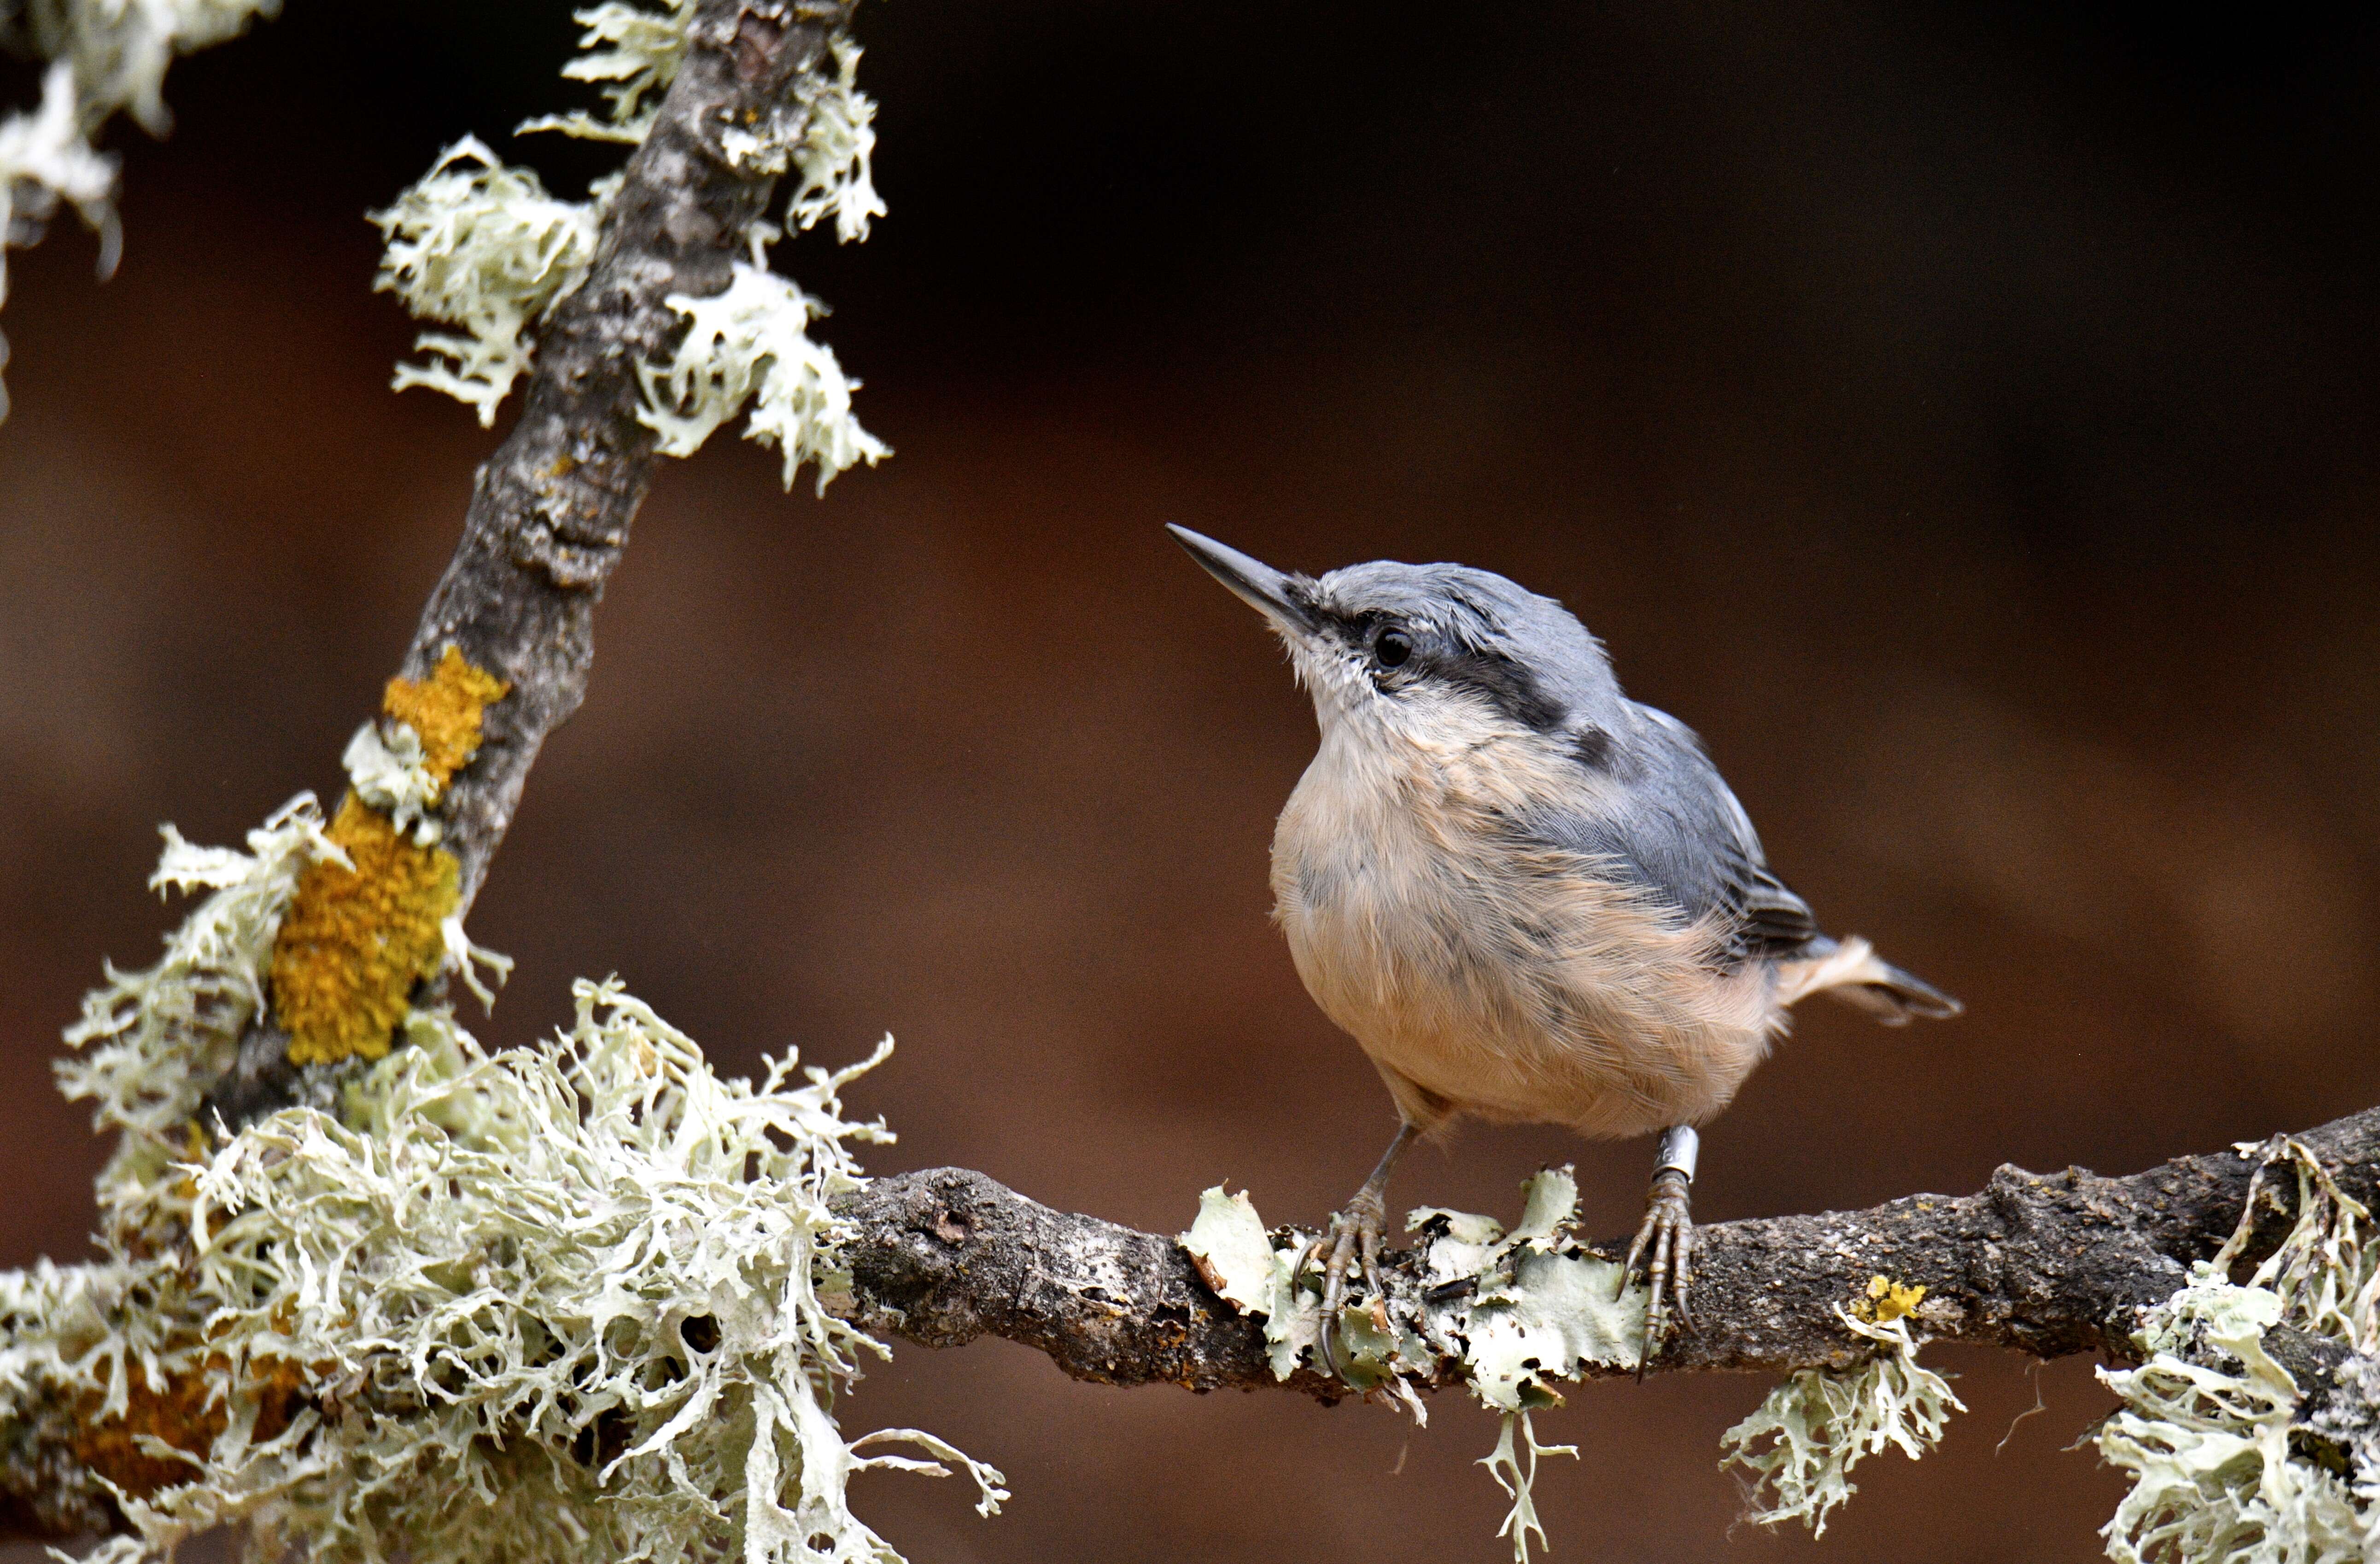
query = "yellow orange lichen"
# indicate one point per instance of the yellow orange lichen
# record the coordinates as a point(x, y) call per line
point(445, 709)
point(354, 942)
point(1888, 1299)
point(187, 1414)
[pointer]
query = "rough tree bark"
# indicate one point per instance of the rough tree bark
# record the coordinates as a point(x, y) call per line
point(2048, 1264)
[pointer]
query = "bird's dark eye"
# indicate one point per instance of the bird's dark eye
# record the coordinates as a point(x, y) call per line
point(1391, 649)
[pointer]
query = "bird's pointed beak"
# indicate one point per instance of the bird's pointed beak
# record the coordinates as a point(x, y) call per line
point(1251, 580)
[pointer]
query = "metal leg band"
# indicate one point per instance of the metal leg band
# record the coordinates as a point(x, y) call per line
point(1680, 1146)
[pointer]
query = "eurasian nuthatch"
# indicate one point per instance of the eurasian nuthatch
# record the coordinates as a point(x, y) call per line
point(1527, 896)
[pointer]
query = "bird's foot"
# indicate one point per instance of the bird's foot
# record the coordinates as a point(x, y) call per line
point(1350, 1244)
point(1666, 1242)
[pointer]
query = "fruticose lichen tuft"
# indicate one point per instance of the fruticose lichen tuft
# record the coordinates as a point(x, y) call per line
point(2225, 1462)
point(636, 49)
point(153, 1041)
point(831, 142)
point(549, 1304)
point(752, 343)
point(1820, 1423)
point(46, 160)
point(481, 246)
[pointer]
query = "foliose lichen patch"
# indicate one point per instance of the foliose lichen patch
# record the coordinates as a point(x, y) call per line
point(1515, 1311)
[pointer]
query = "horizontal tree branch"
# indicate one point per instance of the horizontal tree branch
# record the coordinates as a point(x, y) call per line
point(2045, 1264)
point(2048, 1264)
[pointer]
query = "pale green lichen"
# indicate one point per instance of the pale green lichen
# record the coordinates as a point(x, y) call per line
point(480, 246)
point(464, 958)
point(1513, 1464)
point(828, 136)
point(152, 1041)
point(46, 159)
point(1534, 1306)
point(120, 49)
point(825, 132)
point(387, 771)
point(1228, 1244)
point(553, 1304)
point(1821, 1422)
point(752, 343)
point(636, 49)
point(2211, 1424)
point(1540, 1309)
point(1515, 1311)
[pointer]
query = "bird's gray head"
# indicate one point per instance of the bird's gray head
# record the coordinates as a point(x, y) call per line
point(1412, 648)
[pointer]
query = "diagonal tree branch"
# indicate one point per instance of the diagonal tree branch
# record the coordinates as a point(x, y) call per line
point(2047, 1264)
point(551, 510)
point(548, 519)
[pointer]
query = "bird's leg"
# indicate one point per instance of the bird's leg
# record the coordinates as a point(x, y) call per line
point(1352, 1242)
point(1667, 1238)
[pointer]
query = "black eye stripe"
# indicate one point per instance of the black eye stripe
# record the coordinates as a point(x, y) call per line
point(1505, 683)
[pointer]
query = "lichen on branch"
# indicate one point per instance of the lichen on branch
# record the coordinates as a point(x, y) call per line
point(2228, 1454)
point(370, 924)
point(481, 246)
point(1801, 1442)
point(1511, 1314)
point(153, 1043)
point(516, 1305)
point(752, 343)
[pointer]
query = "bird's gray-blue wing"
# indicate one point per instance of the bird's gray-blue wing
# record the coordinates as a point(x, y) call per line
point(1664, 817)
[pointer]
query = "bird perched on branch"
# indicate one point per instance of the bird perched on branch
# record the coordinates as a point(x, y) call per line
point(1527, 896)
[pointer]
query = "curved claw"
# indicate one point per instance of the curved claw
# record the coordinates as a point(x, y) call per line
point(1668, 1233)
point(1353, 1239)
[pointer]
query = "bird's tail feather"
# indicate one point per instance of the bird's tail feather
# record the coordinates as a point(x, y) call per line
point(1852, 971)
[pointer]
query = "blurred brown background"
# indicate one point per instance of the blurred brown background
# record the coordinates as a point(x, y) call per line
point(1963, 415)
